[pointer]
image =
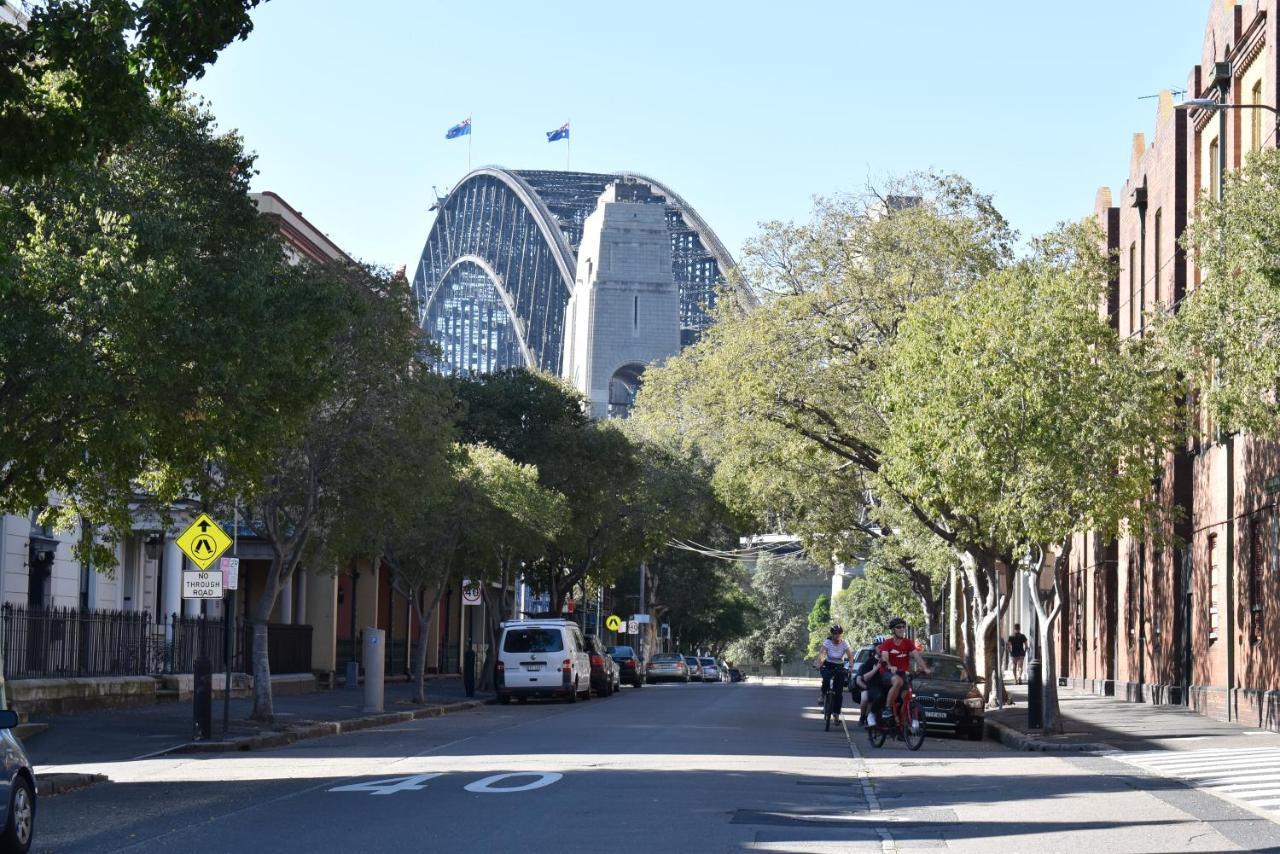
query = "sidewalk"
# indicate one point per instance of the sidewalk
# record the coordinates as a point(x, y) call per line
point(116, 735)
point(1096, 723)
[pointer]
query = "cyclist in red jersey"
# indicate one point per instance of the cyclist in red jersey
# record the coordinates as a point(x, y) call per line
point(897, 654)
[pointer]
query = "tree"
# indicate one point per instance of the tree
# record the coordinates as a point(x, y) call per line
point(310, 488)
point(1018, 417)
point(785, 399)
point(1223, 337)
point(867, 605)
point(780, 634)
point(819, 624)
point(151, 328)
point(79, 77)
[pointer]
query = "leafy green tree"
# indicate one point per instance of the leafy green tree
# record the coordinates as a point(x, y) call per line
point(819, 624)
point(151, 328)
point(1223, 336)
point(781, 631)
point(1018, 417)
point(309, 488)
point(80, 76)
point(867, 605)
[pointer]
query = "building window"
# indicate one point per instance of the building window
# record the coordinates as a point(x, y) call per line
point(1257, 551)
point(1155, 248)
point(1215, 171)
point(1213, 586)
point(1255, 118)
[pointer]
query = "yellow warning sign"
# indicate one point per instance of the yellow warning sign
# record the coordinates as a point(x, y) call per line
point(613, 623)
point(204, 542)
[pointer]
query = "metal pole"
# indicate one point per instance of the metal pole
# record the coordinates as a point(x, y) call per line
point(228, 619)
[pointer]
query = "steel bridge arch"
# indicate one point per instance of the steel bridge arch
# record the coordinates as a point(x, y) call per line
point(530, 361)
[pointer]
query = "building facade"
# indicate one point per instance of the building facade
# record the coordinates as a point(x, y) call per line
point(1188, 615)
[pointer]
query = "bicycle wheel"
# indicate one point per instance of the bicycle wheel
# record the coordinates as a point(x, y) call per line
point(913, 727)
point(876, 736)
point(826, 712)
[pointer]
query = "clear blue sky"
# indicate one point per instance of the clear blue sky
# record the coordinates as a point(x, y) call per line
point(746, 109)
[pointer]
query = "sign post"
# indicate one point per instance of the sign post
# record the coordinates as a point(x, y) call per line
point(203, 542)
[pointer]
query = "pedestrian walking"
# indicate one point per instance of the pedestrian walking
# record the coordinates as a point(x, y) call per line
point(1017, 652)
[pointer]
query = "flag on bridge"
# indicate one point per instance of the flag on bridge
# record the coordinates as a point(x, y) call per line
point(462, 128)
point(561, 132)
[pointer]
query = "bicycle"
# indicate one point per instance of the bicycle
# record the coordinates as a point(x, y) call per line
point(833, 699)
point(908, 721)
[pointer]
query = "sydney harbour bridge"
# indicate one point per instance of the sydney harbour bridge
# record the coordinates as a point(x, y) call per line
point(499, 264)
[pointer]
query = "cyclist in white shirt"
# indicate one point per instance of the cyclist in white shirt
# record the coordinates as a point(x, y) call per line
point(834, 651)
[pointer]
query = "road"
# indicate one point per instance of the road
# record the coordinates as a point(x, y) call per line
point(705, 768)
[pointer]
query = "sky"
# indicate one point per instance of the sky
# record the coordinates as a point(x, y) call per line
point(746, 109)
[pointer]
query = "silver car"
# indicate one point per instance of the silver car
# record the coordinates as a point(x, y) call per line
point(710, 670)
point(667, 665)
point(17, 789)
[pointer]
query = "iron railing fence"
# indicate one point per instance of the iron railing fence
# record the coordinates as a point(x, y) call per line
point(65, 642)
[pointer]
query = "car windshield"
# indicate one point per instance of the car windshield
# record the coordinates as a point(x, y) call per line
point(947, 668)
point(622, 651)
point(709, 662)
point(532, 640)
point(667, 657)
point(691, 660)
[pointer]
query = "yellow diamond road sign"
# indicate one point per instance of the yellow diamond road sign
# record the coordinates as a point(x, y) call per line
point(204, 542)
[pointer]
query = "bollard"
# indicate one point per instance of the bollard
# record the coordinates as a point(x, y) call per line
point(353, 676)
point(373, 668)
point(202, 699)
point(469, 672)
point(1035, 694)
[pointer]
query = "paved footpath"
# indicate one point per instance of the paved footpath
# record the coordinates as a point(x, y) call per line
point(698, 768)
point(1236, 763)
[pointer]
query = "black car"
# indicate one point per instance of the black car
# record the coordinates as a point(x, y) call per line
point(604, 670)
point(949, 698)
point(629, 667)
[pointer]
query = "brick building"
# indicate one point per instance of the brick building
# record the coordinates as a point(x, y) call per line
point(1190, 618)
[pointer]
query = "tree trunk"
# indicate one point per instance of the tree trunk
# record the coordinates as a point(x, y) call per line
point(263, 709)
point(1048, 607)
point(419, 665)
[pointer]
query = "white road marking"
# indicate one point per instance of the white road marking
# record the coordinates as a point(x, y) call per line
point(416, 783)
point(1248, 776)
point(486, 786)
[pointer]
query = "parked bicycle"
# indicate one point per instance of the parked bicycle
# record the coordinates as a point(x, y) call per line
point(907, 723)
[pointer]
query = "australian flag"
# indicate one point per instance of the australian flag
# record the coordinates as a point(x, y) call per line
point(561, 132)
point(462, 128)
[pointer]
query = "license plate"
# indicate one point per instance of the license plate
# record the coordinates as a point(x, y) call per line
point(942, 715)
point(533, 667)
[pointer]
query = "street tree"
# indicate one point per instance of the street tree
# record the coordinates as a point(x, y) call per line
point(870, 601)
point(819, 624)
point(780, 634)
point(80, 76)
point(309, 490)
point(784, 399)
point(151, 328)
point(1018, 417)
point(1223, 336)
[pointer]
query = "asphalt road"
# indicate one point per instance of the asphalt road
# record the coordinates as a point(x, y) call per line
point(705, 768)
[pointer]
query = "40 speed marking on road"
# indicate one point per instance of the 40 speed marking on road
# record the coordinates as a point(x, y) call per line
point(485, 786)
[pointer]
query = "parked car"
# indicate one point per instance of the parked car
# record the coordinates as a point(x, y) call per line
point(710, 670)
point(542, 658)
point(949, 697)
point(695, 668)
point(629, 667)
point(17, 789)
point(667, 666)
point(604, 670)
point(735, 675)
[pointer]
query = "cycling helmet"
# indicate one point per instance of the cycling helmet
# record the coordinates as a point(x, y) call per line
point(895, 622)
point(878, 639)
point(837, 629)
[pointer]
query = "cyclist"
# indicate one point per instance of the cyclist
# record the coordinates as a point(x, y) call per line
point(831, 657)
point(897, 653)
point(866, 680)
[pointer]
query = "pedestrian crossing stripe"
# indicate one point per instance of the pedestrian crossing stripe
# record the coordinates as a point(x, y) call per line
point(1248, 775)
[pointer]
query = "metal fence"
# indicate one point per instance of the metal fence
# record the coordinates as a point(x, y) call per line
point(63, 642)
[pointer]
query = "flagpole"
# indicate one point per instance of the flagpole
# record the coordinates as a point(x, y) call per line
point(470, 133)
point(568, 145)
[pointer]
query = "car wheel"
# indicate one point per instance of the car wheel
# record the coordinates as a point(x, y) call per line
point(573, 694)
point(977, 733)
point(20, 826)
point(504, 699)
point(522, 700)
point(637, 683)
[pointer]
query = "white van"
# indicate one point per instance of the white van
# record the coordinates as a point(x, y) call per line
point(542, 658)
